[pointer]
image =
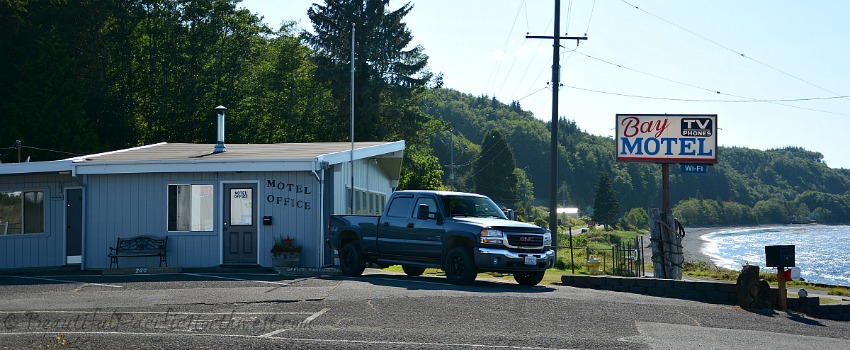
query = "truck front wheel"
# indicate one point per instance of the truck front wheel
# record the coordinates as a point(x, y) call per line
point(460, 266)
point(529, 278)
point(351, 261)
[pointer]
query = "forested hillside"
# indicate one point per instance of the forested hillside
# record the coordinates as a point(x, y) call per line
point(85, 76)
point(746, 186)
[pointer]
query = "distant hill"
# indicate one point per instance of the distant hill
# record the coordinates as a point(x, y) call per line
point(754, 186)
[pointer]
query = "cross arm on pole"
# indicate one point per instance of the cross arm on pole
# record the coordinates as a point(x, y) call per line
point(552, 37)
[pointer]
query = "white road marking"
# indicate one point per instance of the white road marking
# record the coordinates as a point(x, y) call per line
point(302, 324)
point(236, 279)
point(67, 281)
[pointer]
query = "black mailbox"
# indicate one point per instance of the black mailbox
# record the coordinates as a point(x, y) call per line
point(267, 220)
point(779, 256)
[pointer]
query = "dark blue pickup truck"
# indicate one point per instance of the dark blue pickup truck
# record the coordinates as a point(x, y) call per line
point(461, 233)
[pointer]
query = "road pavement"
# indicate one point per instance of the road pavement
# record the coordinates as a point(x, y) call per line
point(382, 310)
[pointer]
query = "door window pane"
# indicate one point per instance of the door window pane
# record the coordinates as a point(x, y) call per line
point(241, 206)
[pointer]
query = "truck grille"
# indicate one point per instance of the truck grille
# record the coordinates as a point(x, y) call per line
point(525, 240)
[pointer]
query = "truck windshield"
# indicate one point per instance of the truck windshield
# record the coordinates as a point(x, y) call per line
point(471, 206)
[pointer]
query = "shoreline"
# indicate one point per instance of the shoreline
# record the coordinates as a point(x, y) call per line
point(693, 244)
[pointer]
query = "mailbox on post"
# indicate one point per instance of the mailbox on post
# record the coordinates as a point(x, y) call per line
point(779, 256)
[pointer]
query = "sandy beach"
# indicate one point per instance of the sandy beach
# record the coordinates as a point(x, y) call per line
point(692, 243)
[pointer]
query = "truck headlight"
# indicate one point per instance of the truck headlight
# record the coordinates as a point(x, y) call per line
point(547, 239)
point(492, 236)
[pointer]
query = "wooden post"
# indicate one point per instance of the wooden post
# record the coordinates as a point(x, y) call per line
point(780, 277)
point(572, 258)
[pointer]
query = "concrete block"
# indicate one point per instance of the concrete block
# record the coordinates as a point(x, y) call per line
point(596, 281)
point(580, 281)
point(613, 281)
point(664, 283)
point(684, 285)
point(707, 286)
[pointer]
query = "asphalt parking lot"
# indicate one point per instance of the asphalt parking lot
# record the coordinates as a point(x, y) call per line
point(258, 308)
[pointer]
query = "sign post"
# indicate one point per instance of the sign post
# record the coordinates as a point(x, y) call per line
point(688, 139)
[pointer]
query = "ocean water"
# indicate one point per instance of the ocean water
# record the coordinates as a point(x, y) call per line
point(821, 252)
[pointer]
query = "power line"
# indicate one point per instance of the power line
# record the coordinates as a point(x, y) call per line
point(729, 49)
point(49, 150)
point(750, 99)
point(497, 67)
point(707, 100)
point(591, 18)
point(529, 95)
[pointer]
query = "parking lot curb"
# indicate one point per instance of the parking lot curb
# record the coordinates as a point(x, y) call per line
point(140, 270)
point(304, 271)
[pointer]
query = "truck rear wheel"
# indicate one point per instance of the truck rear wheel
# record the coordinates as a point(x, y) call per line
point(413, 270)
point(351, 260)
point(460, 266)
point(529, 278)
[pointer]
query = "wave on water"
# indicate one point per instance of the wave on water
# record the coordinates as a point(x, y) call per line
point(819, 258)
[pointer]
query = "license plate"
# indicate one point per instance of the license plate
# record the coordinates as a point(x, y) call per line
point(530, 260)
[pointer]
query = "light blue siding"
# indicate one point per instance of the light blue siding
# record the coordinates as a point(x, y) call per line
point(125, 205)
point(41, 249)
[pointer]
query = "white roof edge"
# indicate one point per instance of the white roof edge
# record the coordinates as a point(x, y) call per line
point(90, 156)
point(364, 152)
point(53, 166)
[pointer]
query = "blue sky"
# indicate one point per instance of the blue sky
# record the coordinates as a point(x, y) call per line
point(785, 63)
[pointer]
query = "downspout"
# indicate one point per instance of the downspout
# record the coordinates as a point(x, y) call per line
point(82, 184)
point(322, 165)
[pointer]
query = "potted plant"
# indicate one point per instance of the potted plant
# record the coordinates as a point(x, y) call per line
point(285, 252)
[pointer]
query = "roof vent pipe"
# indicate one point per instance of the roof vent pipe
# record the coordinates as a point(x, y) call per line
point(219, 146)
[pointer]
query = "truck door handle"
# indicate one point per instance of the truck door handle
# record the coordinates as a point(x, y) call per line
point(410, 225)
point(386, 224)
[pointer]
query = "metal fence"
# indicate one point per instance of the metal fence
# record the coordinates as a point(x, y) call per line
point(625, 259)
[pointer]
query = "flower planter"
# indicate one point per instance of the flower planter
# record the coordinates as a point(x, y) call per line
point(287, 260)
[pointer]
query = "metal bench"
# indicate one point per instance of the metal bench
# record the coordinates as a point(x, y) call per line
point(139, 246)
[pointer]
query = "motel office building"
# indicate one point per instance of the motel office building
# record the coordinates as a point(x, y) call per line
point(216, 209)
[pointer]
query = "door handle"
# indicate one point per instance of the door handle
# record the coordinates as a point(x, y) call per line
point(410, 225)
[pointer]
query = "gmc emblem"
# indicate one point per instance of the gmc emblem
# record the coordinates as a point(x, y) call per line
point(526, 239)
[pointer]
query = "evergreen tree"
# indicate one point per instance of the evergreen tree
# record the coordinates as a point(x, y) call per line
point(605, 204)
point(387, 74)
point(494, 170)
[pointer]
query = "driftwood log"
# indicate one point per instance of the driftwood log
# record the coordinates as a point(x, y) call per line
point(666, 242)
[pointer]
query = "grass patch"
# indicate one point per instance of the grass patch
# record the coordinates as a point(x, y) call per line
point(705, 270)
point(840, 291)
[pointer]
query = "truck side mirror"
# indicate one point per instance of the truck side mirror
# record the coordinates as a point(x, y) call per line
point(422, 212)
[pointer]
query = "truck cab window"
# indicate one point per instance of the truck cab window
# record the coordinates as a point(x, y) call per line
point(400, 207)
point(429, 201)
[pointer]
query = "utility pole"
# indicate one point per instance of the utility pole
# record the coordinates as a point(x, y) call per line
point(553, 157)
point(351, 155)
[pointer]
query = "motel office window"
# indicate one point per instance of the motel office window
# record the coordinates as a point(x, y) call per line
point(21, 212)
point(366, 202)
point(190, 208)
